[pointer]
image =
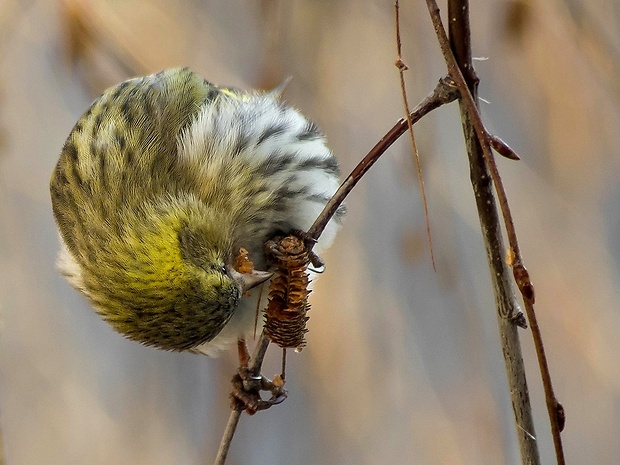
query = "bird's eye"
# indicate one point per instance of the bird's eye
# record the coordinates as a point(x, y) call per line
point(223, 270)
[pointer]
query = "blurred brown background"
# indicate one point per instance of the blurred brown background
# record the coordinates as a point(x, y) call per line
point(402, 365)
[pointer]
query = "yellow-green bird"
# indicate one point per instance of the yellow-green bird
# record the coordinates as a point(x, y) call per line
point(158, 186)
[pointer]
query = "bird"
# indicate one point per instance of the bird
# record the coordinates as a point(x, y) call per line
point(160, 184)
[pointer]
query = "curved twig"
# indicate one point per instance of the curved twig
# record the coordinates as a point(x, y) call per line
point(444, 92)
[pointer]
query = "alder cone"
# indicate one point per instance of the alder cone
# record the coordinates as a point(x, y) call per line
point(285, 317)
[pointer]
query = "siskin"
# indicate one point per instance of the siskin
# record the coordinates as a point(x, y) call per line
point(159, 185)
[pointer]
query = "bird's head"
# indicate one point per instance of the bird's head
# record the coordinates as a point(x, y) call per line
point(168, 281)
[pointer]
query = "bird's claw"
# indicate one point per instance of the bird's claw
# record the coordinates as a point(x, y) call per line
point(317, 262)
point(247, 388)
point(309, 241)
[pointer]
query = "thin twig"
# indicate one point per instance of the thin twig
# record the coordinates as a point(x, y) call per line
point(402, 67)
point(458, 13)
point(229, 432)
point(254, 368)
point(444, 93)
point(259, 354)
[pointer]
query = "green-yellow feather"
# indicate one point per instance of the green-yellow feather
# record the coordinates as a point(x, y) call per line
point(109, 177)
point(159, 184)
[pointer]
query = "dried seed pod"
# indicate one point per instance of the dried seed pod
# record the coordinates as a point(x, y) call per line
point(243, 264)
point(285, 317)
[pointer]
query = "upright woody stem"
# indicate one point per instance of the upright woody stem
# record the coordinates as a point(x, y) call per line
point(490, 224)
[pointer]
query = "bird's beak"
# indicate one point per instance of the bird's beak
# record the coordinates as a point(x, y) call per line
point(249, 280)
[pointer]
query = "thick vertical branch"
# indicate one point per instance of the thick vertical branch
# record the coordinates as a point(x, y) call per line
point(501, 276)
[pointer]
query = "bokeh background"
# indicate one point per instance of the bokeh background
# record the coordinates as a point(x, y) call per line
point(403, 365)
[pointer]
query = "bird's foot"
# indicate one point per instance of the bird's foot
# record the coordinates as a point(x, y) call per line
point(247, 388)
point(276, 249)
point(316, 260)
